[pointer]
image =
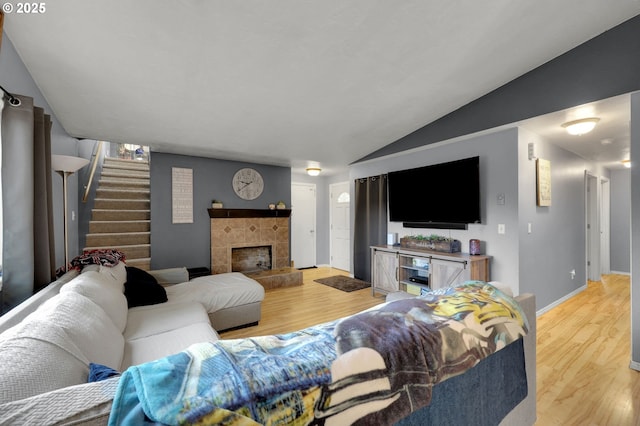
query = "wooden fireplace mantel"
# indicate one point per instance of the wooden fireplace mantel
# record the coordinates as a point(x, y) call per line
point(244, 213)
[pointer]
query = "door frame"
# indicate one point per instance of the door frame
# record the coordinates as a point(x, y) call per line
point(592, 237)
point(597, 233)
point(605, 226)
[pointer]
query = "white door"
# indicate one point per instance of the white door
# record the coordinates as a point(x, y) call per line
point(593, 229)
point(340, 226)
point(303, 225)
point(605, 242)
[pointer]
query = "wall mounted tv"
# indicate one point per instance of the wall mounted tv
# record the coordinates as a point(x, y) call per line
point(445, 195)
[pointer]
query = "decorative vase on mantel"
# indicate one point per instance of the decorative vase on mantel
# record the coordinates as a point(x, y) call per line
point(216, 204)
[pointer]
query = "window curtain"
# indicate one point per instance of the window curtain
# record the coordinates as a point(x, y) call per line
point(370, 222)
point(28, 255)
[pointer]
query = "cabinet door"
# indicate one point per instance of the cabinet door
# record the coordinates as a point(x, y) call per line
point(445, 273)
point(385, 271)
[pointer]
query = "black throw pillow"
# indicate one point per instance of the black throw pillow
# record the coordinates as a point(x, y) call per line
point(142, 288)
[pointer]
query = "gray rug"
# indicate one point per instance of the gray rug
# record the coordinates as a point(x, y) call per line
point(344, 283)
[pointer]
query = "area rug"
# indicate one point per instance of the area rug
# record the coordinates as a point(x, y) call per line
point(344, 283)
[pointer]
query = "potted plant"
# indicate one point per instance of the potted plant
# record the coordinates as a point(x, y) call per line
point(216, 204)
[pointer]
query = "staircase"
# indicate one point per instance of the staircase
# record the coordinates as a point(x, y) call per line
point(120, 218)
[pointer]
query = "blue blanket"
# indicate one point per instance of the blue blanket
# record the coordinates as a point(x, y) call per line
point(375, 367)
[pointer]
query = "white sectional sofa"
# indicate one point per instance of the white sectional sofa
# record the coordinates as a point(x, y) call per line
point(48, 343)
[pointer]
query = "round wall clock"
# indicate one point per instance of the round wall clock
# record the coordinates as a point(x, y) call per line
point(247, 183)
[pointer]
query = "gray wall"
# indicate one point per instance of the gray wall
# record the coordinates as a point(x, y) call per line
point(620, 191)
point(605, 66)
point(498, 175)
point(16, 79)
point(190, 244)
point(539, 262)
point(557, 243)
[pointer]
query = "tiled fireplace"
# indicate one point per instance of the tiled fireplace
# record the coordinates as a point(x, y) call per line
point(229, 233)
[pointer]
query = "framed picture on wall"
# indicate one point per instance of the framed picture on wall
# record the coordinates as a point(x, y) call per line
point(543, 182)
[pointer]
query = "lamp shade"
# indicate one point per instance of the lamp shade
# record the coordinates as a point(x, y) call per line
point(67, 163)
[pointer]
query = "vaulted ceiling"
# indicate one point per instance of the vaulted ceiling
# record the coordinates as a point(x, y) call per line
point(289, 83)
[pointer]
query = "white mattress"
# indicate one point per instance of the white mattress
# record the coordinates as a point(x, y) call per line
point(218, 291)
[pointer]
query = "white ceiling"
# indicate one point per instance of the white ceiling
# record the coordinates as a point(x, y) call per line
point(290, 82)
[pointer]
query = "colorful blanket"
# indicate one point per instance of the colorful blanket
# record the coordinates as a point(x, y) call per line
point(374, 367)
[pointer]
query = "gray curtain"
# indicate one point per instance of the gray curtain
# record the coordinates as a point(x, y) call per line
point(28, 259)
point(370, 222)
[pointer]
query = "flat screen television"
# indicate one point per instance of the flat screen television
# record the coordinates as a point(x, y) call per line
point(440, 195)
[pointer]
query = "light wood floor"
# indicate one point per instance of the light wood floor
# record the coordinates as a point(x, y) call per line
point(583, 345)
point(292, 308)
point(584, 350)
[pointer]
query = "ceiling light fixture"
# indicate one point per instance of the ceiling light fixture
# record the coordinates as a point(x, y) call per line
point(313, 171)
point(582, 126)
point(626, 163)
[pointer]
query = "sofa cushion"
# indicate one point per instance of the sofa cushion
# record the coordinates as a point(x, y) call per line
point(149, 348)
point(87, 325)
point(99, 289)
point(142, 289)
point(218, 291)
point(36, 357)
point(146, 321)
point(118, 273)
point(170, 276)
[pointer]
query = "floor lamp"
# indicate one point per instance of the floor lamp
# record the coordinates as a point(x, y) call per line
point(65, 166)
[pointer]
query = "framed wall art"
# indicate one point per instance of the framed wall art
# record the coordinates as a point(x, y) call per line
point(543, 182)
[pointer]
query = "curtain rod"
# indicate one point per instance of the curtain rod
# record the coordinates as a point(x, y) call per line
point(13, 101)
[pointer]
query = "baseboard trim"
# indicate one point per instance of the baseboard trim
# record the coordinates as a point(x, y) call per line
point(621, 273)
point(559, 301)
point(634, 365)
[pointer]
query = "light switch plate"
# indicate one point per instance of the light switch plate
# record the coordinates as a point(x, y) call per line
point(501, 228)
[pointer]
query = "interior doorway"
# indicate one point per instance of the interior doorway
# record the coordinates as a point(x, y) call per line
point(597, 233)
point(605, 227)
point(303, 225)
point(340, 229)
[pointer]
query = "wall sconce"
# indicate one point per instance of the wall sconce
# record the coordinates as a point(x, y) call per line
point(313, 171)
point(582, 126)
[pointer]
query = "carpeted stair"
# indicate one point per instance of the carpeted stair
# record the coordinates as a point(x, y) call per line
point(120, 218)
